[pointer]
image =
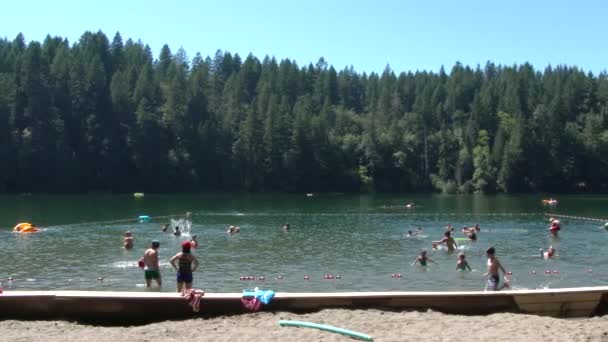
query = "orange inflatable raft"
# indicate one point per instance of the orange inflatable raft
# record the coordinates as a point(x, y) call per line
point(25, 228)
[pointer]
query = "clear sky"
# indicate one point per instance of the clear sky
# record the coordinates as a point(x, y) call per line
point(408, 35)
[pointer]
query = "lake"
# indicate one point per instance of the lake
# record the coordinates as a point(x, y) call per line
point(361, 238)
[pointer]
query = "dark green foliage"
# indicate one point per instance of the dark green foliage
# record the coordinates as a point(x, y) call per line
point(103, 115)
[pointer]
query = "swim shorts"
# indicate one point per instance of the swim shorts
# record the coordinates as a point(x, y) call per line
point(493, 281)
point(185, 277)
point(151, 274)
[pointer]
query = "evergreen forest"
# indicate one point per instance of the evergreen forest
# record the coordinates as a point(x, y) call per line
point(105, 115)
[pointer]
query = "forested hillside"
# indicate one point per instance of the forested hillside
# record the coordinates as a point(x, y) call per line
point(107, 115)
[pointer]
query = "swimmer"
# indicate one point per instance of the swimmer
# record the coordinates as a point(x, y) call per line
point(193, 242)
point(462, 264)
point(422, 259)
point(165, 228)
point(177, 232)
point(555, 227)
point(493, 273)
point(449, 241)
point(410, 205)
point(230, 230)
point(449, 228)
point(477, 229)
point(127, 241)
point(548, 254)
point(417, 232)
point(470, 233)
point(237, 229)
point(285, 227)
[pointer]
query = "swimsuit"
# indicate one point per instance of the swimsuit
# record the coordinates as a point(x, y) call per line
point(184, 270)
point(422, 262)
point(493, 281)
point(151, 274)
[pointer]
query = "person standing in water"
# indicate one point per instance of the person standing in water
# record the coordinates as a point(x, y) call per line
point(462, 263)
point(493, 273)
point(555, 227)
point(449, 241)
point(177, 232)
point(151, 268)
point(422, 259)
point(186, 264)
point(127, 241)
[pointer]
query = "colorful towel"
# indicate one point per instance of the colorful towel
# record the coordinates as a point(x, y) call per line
point(193, 296)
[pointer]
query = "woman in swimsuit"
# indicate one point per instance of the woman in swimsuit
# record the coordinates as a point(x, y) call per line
point(186, 264)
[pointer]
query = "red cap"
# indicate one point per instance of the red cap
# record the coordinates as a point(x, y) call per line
point(186, 244)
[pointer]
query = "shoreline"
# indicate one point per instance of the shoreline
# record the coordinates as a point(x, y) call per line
point(381, 325)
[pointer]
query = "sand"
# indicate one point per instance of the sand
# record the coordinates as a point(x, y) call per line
point(382, 326)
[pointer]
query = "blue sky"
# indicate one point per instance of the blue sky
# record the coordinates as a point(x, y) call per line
point(408, 35)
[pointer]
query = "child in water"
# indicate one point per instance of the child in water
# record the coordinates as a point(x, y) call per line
point(462, 264)
point(548, 254)
point(493, 274)
point(127, 241)
point(422, 259)
point(555, 227)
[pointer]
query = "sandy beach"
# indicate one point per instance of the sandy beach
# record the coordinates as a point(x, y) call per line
point(381, 325)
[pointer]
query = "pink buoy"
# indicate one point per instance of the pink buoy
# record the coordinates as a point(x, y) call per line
point(393, 275)
point(555, 272)
point(10, 279)
point(306, 278)
point(262, 278)
point(398, 275)
point(326, 277)
point(241, 278)
point(547, 272)
point(589, 271)
point(330, 277)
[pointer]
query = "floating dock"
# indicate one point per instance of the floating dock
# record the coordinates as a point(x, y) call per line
point(122, 307)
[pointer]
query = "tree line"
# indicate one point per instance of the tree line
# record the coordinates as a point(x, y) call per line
point(101, 115)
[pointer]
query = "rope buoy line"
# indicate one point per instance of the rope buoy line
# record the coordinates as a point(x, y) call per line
point(577, 217)
point(430, 214)
point(135, 219)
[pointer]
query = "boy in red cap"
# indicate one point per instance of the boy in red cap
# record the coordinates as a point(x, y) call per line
point(186, 264)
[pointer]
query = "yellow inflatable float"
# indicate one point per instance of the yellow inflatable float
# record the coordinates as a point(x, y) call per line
point(25, 228)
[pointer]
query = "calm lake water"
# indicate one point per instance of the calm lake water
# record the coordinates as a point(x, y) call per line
point(359, 237)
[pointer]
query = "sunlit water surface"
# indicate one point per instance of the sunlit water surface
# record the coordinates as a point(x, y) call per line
point(359, 238)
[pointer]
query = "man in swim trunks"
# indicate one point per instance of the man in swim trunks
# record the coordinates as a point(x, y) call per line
point(187, 263)
point(493, 273)
point(449, 241)
point(151, 268)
